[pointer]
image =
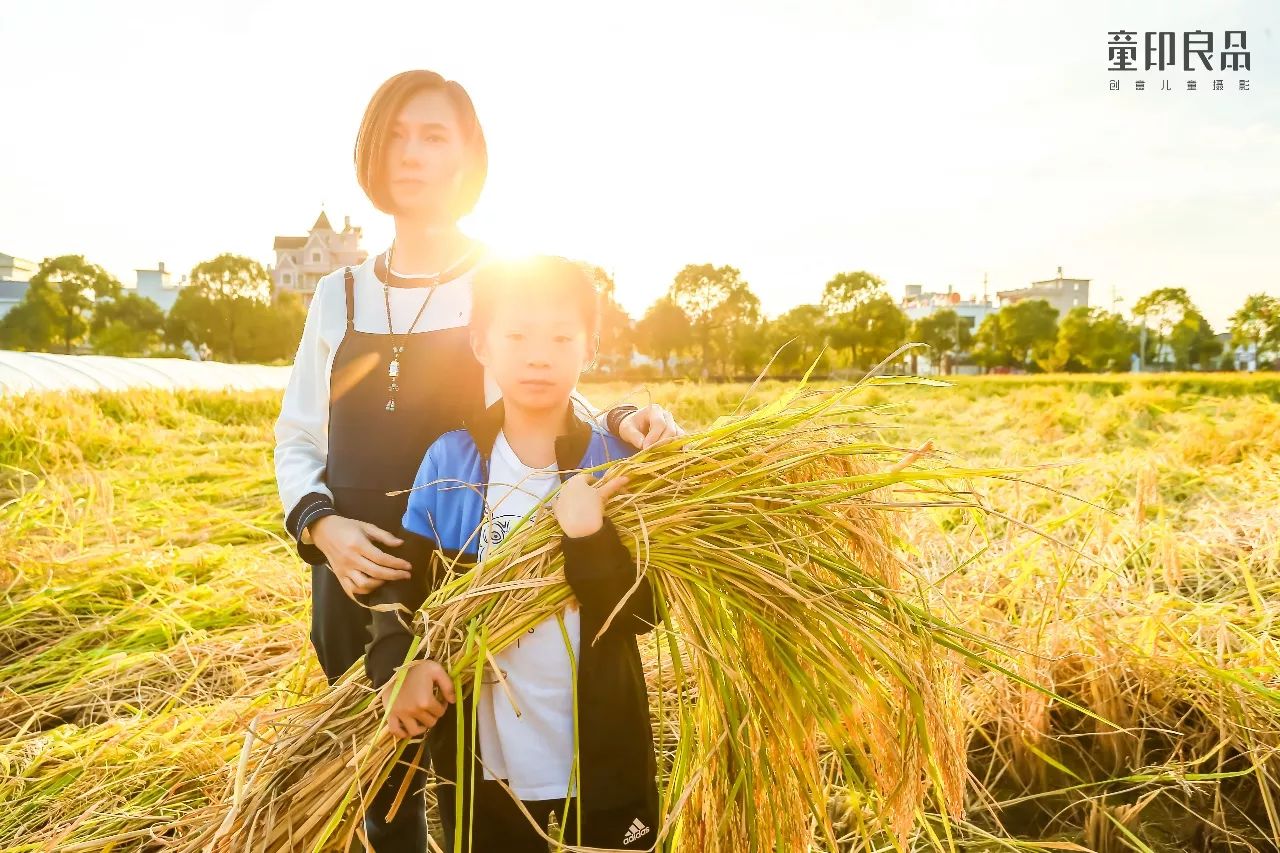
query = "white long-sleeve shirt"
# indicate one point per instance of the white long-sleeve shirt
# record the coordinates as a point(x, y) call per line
point(302, 429)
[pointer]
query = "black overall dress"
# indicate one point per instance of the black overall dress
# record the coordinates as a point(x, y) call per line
point(372, 451)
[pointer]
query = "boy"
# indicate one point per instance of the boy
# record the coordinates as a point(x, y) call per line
point(534, 328)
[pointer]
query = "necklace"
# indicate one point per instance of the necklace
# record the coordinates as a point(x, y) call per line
point(436, 275)
point(393, 368)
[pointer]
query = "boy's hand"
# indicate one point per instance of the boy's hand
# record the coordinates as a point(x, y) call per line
point(579, 507)
point(648, 426)
point(416, 707)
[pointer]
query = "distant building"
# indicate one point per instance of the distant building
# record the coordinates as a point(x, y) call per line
point(1244, 357)
point(918, 304)
point(15, 273)
point(16, 269)
point(1062, 293)
point(301, 261)
point(154, 285)
point(11, 293)
point(15, 276)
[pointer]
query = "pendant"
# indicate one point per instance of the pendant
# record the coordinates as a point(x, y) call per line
point(393, 370)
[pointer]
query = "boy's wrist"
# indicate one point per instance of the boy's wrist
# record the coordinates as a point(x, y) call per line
point(592, 547)
point(615, 416)
point(578, 533)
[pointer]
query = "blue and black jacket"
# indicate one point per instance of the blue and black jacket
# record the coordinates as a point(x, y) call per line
point(616, 753)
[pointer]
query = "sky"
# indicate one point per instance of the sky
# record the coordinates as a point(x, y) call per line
point(932, 143)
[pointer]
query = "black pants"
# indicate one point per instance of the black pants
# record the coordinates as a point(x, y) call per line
point(339, 633)
point(497, 825)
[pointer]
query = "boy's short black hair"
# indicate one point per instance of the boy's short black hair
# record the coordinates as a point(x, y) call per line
point(550, 277)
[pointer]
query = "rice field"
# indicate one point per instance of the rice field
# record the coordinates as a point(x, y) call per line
point(153, 608)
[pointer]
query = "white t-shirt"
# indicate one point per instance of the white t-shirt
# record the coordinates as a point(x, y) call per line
point(534, 750)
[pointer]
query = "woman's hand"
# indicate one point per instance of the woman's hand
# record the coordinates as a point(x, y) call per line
point(648, 426)
point(361, 566)
point(416, 707)
point(579, 506)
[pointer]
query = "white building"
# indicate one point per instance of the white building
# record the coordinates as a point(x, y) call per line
point(1244, 357)
point(16, 269)
point(155, 285)
point(1062, 293)
point(918, 304)
point(14, 275)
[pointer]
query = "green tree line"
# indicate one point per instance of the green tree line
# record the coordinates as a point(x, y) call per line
point(72, 305)
point(707, 324)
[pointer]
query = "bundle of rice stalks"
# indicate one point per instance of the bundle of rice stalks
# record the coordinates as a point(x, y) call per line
point(788, 621)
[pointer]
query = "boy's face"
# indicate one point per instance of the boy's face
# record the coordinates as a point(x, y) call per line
point(535, 352)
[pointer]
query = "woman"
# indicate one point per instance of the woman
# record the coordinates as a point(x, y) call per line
point(383, 368)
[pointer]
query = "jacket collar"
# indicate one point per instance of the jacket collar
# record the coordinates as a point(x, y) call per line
point(571, 445)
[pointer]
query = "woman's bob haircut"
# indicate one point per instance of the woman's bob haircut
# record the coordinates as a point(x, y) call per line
point(375, 129)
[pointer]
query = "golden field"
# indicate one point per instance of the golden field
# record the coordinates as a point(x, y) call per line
point(152, 606)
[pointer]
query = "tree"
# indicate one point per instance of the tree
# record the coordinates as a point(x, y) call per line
point(61, 295)
point(877, 327)
point(990, 350)
point(847, 290)
point(1162, 310)
point(1091, 338)
point(841, 297)
point(29, 325)
point(741, 342)
point(1023, 333)
point(797, 337)
point(943, 331)
point(664, 331)
point(1193, 341)
point(1257, 323)
point(715, 299)
point(1114, 341)
point(129, 324)
point(271, 332)
point(217, 305)
point(1031, 328)
point(616, 334)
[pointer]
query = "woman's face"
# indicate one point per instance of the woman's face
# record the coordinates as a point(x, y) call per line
point(425, 154)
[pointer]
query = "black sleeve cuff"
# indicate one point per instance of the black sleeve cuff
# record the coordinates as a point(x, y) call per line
point(600, 570)
point(391, 631)
point(313, 505)
point(600, 554)
point(613, 420)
